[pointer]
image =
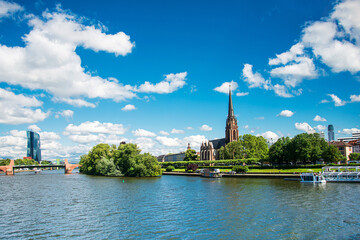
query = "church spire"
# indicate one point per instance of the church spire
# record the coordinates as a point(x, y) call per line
point(231, 108)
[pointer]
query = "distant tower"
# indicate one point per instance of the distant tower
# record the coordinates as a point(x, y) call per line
point(188, 147)
point(331, 133)
point(33, 146)
point(231, 130)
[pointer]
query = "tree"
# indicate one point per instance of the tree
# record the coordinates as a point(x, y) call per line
point(332, 154)
point(354, 156)
point(90, 160)
point(190, 155)
point(254, 147)
point(191, 167)
point(106, 167)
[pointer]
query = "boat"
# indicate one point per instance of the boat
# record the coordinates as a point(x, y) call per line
point(341, 174)
point(312, 178)
point(211, 174)
point(36, 171)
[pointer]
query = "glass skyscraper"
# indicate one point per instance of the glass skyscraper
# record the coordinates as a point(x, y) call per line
point(33, 146)
point(331, 134)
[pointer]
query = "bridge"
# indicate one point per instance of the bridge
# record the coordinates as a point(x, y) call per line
point(9, 169)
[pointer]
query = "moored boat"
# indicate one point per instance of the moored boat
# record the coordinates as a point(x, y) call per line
point(211, 174)
point(341, 174)
point(312, 178)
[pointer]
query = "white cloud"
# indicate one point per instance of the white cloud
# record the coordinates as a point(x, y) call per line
point(304, 127)
point(254, 79)
point(317, 118)
point(350, 130)
point(170, 142)
point(48, 60)
point(171, 83)
point(189, 128)
point(66, 113)
point(34, 128)
point(205, 128)
point(270, 136)
point(246, 126)
point(286, 57)
point(338, 102)
point(224, 88)
point(128, 107)
point(281, 91)
point(145, 144)
point(195, 141)
point(241, 94)
point(18, 109)
point(74, 102)
point(176, 131)
point(355, 98)
point(143, 133)
point(285, 113)
point(320, 127)
point(7, 9)
point(95, 127)
point(259, 118)
point(164, 133)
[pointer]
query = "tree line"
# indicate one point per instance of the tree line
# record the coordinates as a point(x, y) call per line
point(124, 160)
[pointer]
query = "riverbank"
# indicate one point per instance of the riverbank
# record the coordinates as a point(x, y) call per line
point(244, 175)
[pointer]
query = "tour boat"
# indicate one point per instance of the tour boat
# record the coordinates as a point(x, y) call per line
point(312, 178)
point(211, 174)
point(341, 174)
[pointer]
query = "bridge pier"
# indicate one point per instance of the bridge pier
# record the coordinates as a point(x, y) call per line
point(9, 170)
point(70, 167)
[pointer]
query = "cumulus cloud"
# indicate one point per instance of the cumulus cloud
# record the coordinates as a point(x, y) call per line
point(171, 83)
point(8, 8)
point(145, 144)
point(189, 128)
point(95, 127)
point(281, 91)
point(337, 101)
point(34, 128)
point(48, 61)
point(19, 109)
point(254, 79)
point(224, 87)
point(143, 133)
point(304, 127)
point(285, 113)
point(176, 131)
point(66, 114)
point(270, 136)
point(205, 128)
point(350, 130)
point(128, 107)
point(195, 141)
point(164, 133)
point(317, 118)
point(355, 98)
point(320, 127)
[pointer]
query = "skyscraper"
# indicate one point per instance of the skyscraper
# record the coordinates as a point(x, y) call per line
point(33, 146)
point(331, 134)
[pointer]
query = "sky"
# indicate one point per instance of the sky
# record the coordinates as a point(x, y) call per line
point(157, 73)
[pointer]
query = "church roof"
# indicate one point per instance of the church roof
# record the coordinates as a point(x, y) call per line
point(218, 143)
point(231, 108)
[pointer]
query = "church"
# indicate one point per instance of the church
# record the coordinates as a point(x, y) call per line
point(210, 150)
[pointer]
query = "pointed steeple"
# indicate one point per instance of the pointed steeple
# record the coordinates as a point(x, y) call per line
point(231, 108)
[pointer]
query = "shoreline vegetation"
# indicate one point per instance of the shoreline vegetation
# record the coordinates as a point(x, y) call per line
point(122, 161)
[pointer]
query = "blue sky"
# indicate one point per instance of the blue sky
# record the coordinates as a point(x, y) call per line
point(157, 73)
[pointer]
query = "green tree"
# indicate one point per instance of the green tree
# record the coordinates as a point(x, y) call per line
point(254, 147)
point(332, 154)
point(354, 156)
point(106, 167)
point(190, 155)
point(90, 160)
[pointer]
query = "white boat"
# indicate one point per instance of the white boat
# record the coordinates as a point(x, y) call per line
point(341, 174)
point(312, 178)
point(37, 171)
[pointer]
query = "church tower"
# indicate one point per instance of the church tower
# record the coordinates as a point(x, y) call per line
point(231, 130)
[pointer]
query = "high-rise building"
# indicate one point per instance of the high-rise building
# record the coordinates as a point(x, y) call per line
point(331, 135)
point(33, 146)
point(322, 134)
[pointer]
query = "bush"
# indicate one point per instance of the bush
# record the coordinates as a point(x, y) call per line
point(170, 168)
point(240, 169)
point(191, 167)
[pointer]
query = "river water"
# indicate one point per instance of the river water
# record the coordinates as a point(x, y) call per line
point(52, 205)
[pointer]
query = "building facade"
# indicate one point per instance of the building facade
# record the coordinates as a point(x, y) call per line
point(344, 148)
point(210, 150)
point(33, 146)
point(331, 134)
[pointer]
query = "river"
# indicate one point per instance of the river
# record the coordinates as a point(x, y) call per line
point(52, 205)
